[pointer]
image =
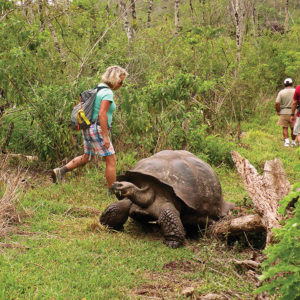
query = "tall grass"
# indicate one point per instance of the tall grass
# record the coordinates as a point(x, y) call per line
point(10, 185)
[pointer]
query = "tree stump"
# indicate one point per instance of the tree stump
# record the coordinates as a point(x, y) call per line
point(265, 192)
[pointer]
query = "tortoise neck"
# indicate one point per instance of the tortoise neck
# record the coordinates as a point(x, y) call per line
point(143, 197)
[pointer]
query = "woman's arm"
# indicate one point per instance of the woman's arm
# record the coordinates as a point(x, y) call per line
point(105, 104)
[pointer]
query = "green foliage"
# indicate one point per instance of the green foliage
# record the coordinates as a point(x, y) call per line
point(170, 115)
point(281, 275)
point(126, 161)
point(181, 89)
point(42, 127)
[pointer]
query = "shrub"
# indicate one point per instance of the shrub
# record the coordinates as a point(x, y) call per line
point(281, 275)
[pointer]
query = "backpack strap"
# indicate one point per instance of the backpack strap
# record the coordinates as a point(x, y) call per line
point(101, 87)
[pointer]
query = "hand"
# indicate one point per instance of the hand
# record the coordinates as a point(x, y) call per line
point(292, 119)
point(106, 142)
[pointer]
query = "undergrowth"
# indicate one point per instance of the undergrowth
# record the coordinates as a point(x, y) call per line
point(60, 250)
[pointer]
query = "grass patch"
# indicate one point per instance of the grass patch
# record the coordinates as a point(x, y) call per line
point(67, 254)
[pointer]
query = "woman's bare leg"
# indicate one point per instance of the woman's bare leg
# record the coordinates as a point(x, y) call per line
point(77, 162)
point(58, 173)
point(110, 171)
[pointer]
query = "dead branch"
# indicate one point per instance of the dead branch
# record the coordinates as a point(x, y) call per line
point(56, 43)
point(150, 7)
point(264, 190)
point(4, 15)
point(250, 264)
point(248, 223)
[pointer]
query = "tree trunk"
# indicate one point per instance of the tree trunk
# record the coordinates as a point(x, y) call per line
point(24, 9)
point(133, 14)
point(30, 16)
point(239, 28)
point(41, 14)
point(253, 16)
point(149, 13)
point(56, 43)
point(68, 12)
point(126, 23)
point(107, 8)
point(192, 12)
point(93, 32)
point(203, 6)
point(176, 16)
point(286, 11)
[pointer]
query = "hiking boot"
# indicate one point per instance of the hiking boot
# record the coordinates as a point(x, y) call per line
point(286, 143)
point(57, 175)
point(293, 144)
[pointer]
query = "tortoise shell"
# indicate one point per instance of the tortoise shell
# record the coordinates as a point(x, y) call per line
point(192, 180)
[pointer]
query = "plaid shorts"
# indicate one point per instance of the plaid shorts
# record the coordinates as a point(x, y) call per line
point(93, 142)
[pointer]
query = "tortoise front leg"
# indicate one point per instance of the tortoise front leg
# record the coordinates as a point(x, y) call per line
point(139, 214)
point(171, 225)
point(116, 214)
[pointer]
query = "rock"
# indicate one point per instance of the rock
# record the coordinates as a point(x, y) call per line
point(187, 292)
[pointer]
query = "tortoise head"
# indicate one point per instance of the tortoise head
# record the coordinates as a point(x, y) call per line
point(124, 188)
point(141, 196)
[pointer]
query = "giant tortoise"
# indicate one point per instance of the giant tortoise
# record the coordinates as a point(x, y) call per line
point(175, 188)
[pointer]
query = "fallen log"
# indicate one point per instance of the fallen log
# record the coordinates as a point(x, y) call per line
point(248, 223)
point(265, 192)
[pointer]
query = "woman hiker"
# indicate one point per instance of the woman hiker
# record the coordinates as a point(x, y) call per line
point(96, 139)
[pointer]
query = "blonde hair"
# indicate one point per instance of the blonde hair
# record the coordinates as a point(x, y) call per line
point(112, 75)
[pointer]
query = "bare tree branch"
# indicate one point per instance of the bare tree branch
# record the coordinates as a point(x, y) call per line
point(149, 13)
point(85, 59)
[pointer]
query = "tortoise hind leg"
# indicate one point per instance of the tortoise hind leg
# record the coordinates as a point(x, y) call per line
point(171, 225)
point(116, 214)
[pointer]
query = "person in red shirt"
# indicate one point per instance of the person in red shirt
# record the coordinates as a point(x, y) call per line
point(296, 109)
